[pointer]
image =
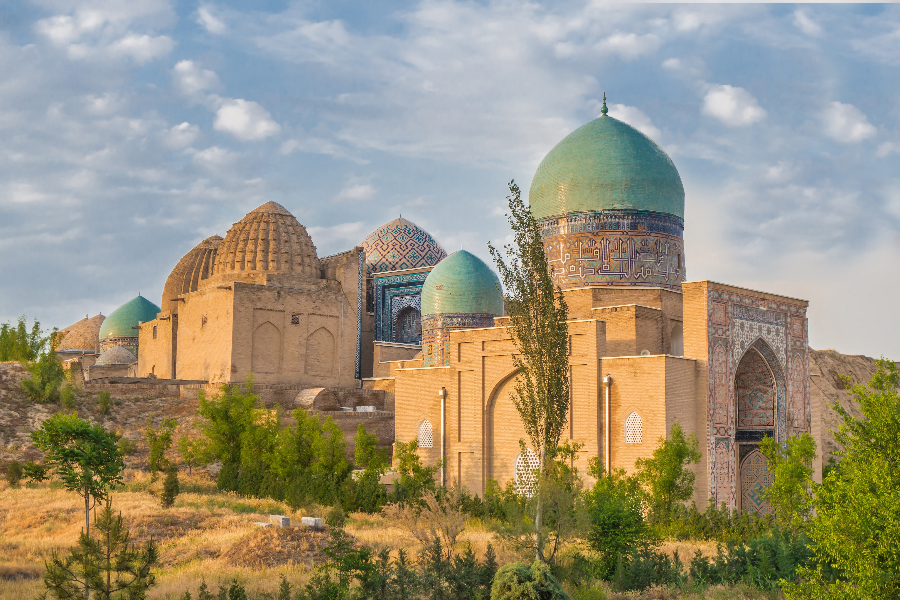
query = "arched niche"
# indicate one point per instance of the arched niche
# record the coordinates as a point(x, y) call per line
point(676, 344)
point(266, 356)
point(320, 353)
point(408, 327)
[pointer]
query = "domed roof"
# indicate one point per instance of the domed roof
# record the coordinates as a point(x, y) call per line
point(117, 355)
point(401, 244)
point(462, 284)
point(120, 322)
point(83, 335)
point(267, 239)
point(193, 266)
point(606, 165)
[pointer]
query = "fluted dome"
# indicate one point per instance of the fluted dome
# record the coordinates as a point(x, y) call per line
point(606, 165)
point(193, 267)
point(462, 284)
point(401, 244)
point(117, 355)
point(122, 321)
point(268, 239)
point(83, 335)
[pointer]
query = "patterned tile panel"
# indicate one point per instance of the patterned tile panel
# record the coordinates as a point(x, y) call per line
point(392, 294)
point(436, 334)
point(401, 245)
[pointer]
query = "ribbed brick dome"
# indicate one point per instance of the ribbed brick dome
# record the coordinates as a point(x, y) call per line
point(83, 335)
point(268, 239)
point(193, 267)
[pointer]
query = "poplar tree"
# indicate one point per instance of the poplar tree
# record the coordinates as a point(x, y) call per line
point(538, 317)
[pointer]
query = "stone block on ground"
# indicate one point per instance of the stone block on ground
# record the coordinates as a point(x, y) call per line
point(311, 522)
point(280, 521)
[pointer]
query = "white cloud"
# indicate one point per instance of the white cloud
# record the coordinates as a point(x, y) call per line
point(355, 191)
point(215, 158)
point(886, 148)
point(630, 45)
point(636, 118)
point(344, 235)
point(209, 21)
point(846, 123)
point(191, 81)
point(691, 67)
point(142, 48)
point(805, 24)
point(245, 120)
point(181, 136)
point(733, 106)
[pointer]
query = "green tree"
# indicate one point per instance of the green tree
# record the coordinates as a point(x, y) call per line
point(225, 418)
point(615, 507)
point(159, 440)
point(666, 476)
point(14, 473)
point(85, 457)
point(171, 488)
point(413, 477)
point(18, 343)
point(364, 491)
point(854, 526)
point(538, 317)
point(46, 377)
point(107, 564)
point(103, 400)
point(193, 452)
point(518, 581)
point(791, 489)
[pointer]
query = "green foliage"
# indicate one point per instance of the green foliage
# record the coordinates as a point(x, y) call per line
point(85, 457)
point(854, 527)
point(14, 473)
point(791, 491)
point(170, 487)
point(616, 517)
point(518, 581)
point(645, 567)
point(107, 565)
point(763, 562)
point(538, 325)
point(666, 476)
point(159, 440)
point(336, 517)
point(414, 478)
point(103, 400)
point(18, 343)
point(67, 397)
point(193, 452)
point(715, 523)
point(127, 447)
point(558, 505)
point(46, 377)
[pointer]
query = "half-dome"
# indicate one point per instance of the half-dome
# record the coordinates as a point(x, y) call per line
point(268, 239)
point(193, 267)
point(83, 335)
point(117, 355)
point(606, 165)
point(462, 284)
point(401, 244)
point(123, 321)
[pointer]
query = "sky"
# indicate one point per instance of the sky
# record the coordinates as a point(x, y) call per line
point(130, 130)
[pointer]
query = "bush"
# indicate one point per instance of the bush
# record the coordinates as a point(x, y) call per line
point(67, 397)
point(47, 374)
point(103, 402)
point(14, 473)
point(518, 581)
point(646, 567)
point(336, 517)
point(127, 447)
point(170, 487)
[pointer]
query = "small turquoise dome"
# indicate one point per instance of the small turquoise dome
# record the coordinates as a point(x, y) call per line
point(462, 284)
point(606, 165)
point(120, 322)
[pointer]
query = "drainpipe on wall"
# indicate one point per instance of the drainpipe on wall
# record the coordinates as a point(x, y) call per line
point(607, 383)
point(443, 395)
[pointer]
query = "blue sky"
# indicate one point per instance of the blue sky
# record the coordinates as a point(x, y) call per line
point(130, 130)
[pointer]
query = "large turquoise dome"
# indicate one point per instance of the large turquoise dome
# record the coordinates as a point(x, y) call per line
point(606, 165)
point(462, 284)
point(121, 321)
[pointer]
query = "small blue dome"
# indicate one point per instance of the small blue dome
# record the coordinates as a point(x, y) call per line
point(462, 284)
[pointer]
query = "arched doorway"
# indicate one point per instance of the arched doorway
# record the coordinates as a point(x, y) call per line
point(759, 394)
point(408, 328)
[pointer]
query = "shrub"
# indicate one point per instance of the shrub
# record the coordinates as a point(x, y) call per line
point(14, 473)
point(67, 397)
point(518, 581)
point(336, 517)
point(646, 567)
point(103, 400)
point(47, 374)
point(170, 487)
point(127, 447)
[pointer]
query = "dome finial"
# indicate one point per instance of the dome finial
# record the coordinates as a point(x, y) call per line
point(604, 110)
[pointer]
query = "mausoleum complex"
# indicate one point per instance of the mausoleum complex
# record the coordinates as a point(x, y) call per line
point(423, 333)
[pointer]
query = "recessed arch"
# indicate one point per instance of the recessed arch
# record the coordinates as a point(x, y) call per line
point(266, 356)
point(755, 478)
point(425, 434)
point(634, 428)
point(511, 430)
point(320, 353)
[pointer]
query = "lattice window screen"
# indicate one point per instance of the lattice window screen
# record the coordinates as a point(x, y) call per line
point(426, 437)
point(526, 465)
point(634, 429)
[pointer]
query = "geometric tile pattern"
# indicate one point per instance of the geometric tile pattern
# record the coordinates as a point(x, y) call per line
point(755, 477)
point(615, 248)
point(400, 245)
point(436, 334)
point(392, 294)
point(758, 382)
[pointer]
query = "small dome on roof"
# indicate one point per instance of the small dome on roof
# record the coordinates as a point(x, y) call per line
point(606, 165)
point(193, 267)
point(401, 244)
point(462, 284)
point(83, 335)
point(270, 239)
point(120, 322)
point(117, 355)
